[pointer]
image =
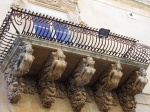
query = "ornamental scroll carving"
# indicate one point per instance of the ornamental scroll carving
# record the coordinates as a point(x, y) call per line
point(51, 71)
point(58, 3)
point(81, 77)
point(51, 2)
point(134, 85)
point(104, 94)
point(19, 66)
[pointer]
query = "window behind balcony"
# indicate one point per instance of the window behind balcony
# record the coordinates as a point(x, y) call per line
point(50, 29)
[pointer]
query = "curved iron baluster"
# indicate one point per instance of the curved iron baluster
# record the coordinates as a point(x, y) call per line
point(77, 35)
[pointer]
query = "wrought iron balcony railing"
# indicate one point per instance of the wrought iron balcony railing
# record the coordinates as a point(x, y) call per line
point(34, 25)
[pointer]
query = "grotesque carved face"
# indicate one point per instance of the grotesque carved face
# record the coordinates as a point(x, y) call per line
point(143, 72)
point(118, 66)
point(60, 54)
point(90, 61)
point(28, 48)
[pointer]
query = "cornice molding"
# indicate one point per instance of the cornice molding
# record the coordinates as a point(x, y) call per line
point(68, 6)
point(60, 4)
point(145, 2)
point(135, 3)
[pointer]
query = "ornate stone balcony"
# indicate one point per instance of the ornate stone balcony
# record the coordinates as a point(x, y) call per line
point(71, 56)
point(29, 24)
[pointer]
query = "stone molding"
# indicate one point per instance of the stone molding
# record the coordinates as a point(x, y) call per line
point(80, 77)
point(70, 7)
point(51, 2)
point(47, 44)
point(30, 85)
point(51, 71)
point(58, 3)
point(135, 3)
point(134, 85)
point(143, 99)
point(18, 67)
point(109, 80)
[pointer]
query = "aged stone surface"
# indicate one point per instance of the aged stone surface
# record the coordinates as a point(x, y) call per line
point(51, 71)
point(81, 22)
point(19, 66)
point(147, 2)
point(61, 91)
point(51, 2)
point(115, 98)
point(73, 1)
point(89, 95)
point(57, 3)
point(30, 85)
point(107, 82)
point(15, 89)
point(80, 77)
point(134, 85)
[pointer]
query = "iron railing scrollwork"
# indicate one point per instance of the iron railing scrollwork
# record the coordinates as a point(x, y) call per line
point(6, 38)
point(44, 27)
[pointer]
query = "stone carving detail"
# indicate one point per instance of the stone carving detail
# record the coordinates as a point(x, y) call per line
point(24, 61)
point(51, 2)
point(57, 3)
point(15, 87)
point(30, 85)
point(51, 71)
point(115, 98)
point(104, 87)
point(134, 85)
point(61, 91)
point(71, 2)
point(81, 76)
point(81, 22)
point(104, 100)
point(89, 95)
point(19, 66)
point(19, 4)
point(75, 2)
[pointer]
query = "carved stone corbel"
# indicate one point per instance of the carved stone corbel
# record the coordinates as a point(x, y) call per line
point(51, 71)
point(80, 77)
point(19, 66)
point(107, 82)
point(134, 85)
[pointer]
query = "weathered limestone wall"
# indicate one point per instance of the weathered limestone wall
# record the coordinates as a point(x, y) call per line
point(113, 15)
point(5, 7)
point(147, 2)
